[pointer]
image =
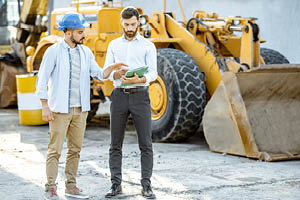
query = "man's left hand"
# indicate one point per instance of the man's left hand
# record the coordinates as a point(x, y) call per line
point(134, 80)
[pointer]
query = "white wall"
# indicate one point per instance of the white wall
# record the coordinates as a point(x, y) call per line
point(61, 3)
point(279, 20)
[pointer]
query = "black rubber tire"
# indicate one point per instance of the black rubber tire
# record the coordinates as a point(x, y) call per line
point(271, 56)
point(92, 112)
point(94, 107)
point(186, 96)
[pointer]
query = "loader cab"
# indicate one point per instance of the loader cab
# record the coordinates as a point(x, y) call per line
point(9, 17)
point(101, 19)
point(105, 25)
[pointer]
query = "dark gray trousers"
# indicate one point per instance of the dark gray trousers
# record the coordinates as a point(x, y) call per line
point(138, 105)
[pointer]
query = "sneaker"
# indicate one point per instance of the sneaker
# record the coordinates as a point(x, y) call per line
point(76, 192)
point(114, 190)
point(51, 195)
point(147, 192)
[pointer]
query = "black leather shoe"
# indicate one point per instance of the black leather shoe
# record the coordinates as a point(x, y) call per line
point(147, 192)
point(114, 190)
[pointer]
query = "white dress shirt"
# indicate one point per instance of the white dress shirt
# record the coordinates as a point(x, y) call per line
point(135, 53)
point(56, 68)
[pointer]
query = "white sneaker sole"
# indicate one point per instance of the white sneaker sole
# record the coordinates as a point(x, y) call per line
point(77, 196)
point(51, 198)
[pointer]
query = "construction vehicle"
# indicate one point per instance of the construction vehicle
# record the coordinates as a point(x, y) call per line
point(25, 28)
point(21, 25)
point(7, 22)
point(197, 60)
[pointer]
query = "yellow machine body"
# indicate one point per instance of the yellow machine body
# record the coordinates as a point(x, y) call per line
point(247, 113)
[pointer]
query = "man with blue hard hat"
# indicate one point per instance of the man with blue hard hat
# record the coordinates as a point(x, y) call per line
point(65, 70)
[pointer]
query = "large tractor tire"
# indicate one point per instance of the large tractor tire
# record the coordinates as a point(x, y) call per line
point(271, 56)
point(178, 97)
point(92, 112)
point(94, 106)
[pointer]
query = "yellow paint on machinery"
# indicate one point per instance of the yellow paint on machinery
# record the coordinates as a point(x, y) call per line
point(158, 98)
point(5, 49)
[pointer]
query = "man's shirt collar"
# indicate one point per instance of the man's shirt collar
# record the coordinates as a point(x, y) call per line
point(65, 45)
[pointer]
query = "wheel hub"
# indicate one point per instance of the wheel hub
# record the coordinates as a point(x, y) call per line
point(158, 98)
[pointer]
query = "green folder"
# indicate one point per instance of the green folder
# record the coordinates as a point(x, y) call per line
point(140, 71)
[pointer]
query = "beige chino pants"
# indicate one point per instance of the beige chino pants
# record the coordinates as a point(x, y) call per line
point(71, 126)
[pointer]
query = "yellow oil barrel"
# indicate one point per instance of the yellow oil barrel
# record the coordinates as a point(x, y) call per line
point(29, 105)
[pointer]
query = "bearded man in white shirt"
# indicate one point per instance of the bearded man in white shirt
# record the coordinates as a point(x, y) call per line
point(135, 51)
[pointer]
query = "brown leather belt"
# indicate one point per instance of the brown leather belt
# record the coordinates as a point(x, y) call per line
point(133, 90)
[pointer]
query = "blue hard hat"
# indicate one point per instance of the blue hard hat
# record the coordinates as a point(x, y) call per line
point(73, 21)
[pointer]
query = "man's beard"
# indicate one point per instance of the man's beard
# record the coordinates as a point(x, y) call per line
point(130, 34)
point(76, 41)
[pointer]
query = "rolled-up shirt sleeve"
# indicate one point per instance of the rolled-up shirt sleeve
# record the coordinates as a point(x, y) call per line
point(95, 71)
point(109, 60)
point(151, 61)
point(46, 68)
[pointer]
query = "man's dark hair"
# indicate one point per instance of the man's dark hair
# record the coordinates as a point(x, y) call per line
point(67, 29)
point(129, 12)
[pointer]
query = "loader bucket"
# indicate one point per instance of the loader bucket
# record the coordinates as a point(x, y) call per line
point(256, 114)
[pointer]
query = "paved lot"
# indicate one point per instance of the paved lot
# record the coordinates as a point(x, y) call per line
point(181, 171)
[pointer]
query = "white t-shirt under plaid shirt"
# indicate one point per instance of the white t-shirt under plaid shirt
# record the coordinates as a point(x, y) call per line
point(75, 83)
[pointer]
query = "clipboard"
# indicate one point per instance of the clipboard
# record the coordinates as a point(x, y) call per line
point(140, 71)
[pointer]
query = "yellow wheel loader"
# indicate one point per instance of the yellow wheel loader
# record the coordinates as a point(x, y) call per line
point(21, 25)
point(252, 109)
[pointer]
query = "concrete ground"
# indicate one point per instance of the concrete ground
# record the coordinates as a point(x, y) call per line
point(181, 171)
